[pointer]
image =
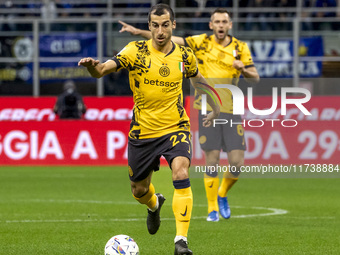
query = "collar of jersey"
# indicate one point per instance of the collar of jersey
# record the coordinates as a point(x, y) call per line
point(159, 52)
point(231, 40)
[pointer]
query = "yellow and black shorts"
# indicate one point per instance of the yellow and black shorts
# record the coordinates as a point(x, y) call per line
point(144, 154)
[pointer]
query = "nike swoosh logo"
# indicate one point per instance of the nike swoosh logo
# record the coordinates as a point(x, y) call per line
point(211, 185)
point(185, 213)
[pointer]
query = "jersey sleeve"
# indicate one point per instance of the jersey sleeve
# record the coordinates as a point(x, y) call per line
point(195, 41)
point(126, 57)
point(246, 57)
point(190, 62)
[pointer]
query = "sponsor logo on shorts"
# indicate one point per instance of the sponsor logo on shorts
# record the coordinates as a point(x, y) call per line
point(130, 171)
point(203, 139)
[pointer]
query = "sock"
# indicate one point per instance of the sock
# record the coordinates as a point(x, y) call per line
point(211, 188)
point(184, 238)
point(149, 199)
point(182, 206)
point(226, 185)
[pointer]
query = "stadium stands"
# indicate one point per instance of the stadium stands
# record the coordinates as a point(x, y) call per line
point(256, 21)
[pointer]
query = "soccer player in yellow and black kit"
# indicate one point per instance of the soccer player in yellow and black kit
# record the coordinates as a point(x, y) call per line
point(221, 58)
point(160, 125)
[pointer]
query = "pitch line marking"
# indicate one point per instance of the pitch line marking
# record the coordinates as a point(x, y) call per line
point(272, 212)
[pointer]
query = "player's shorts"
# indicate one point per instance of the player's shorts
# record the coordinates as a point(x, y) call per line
point(144, 154)
point(223, 136)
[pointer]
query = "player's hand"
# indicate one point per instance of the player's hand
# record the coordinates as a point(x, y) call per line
point(88, 62)
point(208, 120)
point(238, 64)
point(128, 28)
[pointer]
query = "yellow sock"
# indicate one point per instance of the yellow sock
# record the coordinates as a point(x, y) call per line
point(211, 189)
point(149, 198)
point(182, 208)
point(226, 185)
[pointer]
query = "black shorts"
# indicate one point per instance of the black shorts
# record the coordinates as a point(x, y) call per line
point(223, 136)
point(144, 154)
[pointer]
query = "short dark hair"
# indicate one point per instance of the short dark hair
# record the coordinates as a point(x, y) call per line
point(160, 9)
point(221, 10)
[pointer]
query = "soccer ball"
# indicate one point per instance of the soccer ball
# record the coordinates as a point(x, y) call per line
point(121, 244)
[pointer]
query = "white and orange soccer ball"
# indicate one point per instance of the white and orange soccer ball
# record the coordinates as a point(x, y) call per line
point(121, 244)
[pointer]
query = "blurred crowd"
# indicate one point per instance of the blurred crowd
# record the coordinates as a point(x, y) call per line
point(263, 20)
point(52, 9)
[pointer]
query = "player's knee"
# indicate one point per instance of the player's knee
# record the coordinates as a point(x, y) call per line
point(236, 162)
point(236, 158)
point(138, 190)
point(180, 173)
point(212, 158)
point(180, 168)
point(212, 162)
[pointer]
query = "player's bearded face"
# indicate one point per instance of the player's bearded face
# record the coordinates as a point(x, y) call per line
point(161, 28)
point(220, 24)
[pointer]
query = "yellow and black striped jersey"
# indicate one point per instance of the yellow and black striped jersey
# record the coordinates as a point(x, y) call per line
point(156, 82)
point(215, 63)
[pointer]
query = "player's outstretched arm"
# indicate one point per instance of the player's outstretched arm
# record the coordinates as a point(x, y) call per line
point(200, 85)
point(134, 31)
point(145, 33)
point(97, 69)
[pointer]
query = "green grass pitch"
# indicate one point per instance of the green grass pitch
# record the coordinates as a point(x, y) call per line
point(76, 210)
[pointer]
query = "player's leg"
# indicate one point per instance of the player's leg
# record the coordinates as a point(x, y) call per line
point(143, 159)
point(177, 152)
point(144, 192)
point(236, 160)
point(182, 202)
point(234, 144)
point(211, 184)
point(211, 143)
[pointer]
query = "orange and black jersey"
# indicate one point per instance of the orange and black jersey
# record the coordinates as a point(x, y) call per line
point(156, 82)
